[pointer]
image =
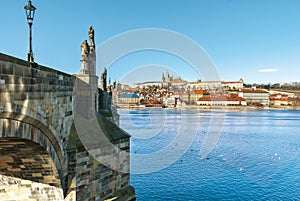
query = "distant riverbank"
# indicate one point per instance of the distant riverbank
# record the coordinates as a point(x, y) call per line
point(193, 107)
point(197, 107)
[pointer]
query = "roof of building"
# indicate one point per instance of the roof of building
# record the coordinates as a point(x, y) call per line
point(198, 91)
point(241, 81)
point(253, 91)
point(221, 98)
point(232, 82)
point(279, 97)
point(205, 82)
point(177, 81)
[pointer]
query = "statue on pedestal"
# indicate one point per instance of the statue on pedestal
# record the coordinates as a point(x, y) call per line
point(88, 54)
point(104, 80)
point(85, 50)
point(91, 36)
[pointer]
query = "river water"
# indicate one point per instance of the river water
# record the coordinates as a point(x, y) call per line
point(255, 155)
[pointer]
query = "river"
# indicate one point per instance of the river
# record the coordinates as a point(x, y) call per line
point(255, 155)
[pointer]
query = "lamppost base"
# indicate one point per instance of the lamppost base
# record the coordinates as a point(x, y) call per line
point(30, 57)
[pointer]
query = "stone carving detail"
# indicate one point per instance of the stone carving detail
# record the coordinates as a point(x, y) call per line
point(91, 36)
point(88, 55)
point(85, 50)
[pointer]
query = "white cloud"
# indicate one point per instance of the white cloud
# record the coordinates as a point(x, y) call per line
point(268, 70)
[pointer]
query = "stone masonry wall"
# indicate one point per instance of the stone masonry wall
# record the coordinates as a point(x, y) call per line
point(41, 97)
point(95, 181)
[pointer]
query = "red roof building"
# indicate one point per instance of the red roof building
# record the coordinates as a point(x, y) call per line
point(255, 97)
point(236, 85)
point(222, 100)
point(279, 100)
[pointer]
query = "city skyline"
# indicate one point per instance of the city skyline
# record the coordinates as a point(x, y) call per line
point(256, 40)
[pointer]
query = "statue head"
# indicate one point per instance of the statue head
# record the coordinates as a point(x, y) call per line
point(91, 30)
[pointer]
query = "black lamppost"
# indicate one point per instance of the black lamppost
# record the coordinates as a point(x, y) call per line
point(30, 10)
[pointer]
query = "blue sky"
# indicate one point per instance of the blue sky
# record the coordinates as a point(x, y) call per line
point(258, 40)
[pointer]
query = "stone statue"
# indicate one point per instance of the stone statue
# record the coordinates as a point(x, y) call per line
point(115, 84)
point(85, 50)
point(91, 36)
point(103, 78)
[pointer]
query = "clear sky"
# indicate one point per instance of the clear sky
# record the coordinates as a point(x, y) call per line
point(258, 40)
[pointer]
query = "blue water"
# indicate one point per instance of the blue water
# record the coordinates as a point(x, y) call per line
point(256, 157)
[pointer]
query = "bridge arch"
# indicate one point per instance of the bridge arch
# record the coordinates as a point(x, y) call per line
point(27, 171)
point(15, 125)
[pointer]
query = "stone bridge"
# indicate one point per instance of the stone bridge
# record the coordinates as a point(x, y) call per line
point(42, 154)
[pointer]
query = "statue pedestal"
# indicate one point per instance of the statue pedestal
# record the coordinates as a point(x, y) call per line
point(86, 95)
point(84, 67)
point(86, 87)
point(88, 64)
